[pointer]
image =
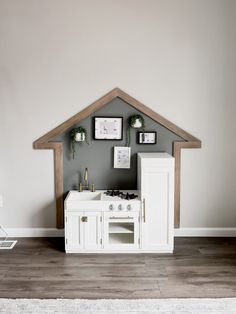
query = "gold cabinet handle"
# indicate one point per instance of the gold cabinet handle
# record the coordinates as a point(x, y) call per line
point(144, 211)
point(84, 219)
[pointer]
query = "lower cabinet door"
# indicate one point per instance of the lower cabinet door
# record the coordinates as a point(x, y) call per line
point(74, 231)
point(121, 231)
point(83, 231)
point(92, 230)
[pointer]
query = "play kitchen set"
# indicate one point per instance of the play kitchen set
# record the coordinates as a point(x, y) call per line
point(125, 221)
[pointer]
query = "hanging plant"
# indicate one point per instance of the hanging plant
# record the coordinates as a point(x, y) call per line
point(137, 122)
point(77, 135)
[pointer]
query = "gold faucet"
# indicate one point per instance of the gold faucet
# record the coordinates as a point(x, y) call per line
point(86, 182)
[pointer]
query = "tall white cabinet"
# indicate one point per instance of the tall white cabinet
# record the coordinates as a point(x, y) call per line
point(156, 186)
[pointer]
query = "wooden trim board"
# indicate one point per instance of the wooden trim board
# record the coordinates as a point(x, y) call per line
point(43, 142)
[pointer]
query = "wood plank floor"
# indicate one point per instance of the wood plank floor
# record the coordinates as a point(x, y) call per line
point(39, 268)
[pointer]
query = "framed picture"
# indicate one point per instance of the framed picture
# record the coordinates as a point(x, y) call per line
point(147, 137)
point(108, 128)
point(122, 157)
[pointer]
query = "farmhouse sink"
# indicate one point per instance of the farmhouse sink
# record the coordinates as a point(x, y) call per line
point(84, 196)
point(83, 200)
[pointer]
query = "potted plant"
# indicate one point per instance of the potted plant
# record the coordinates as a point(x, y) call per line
point(78, 135)
point(137, 122)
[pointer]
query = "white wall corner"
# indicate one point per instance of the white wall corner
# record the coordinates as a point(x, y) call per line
point(205, 232)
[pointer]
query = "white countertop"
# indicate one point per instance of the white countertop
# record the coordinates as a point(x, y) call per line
point(75, 195)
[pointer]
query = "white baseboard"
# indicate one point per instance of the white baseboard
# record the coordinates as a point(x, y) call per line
point(205, 232)
point(181, 232)
point(34, 232)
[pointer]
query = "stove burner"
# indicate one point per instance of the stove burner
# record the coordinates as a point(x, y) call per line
point(129, 196)
point(125, 196)
point(113, 193)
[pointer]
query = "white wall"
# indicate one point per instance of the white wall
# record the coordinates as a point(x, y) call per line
point(177, 57)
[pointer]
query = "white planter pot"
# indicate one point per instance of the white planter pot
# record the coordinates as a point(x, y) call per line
point(137, 124)
point(80, 137)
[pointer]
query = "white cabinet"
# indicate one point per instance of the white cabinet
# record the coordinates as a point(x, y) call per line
point(156, 185)
point(83, 231)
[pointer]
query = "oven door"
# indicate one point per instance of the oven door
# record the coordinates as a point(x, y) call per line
point(121, 231)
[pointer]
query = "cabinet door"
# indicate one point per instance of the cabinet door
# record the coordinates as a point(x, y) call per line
point(121, 231)
point(74, 231)
point(157, 198)
point(92, 230)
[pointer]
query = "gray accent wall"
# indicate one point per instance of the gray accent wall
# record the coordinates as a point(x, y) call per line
point(98, 155)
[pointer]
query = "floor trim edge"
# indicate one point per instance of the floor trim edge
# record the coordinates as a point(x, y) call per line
point(180, 232)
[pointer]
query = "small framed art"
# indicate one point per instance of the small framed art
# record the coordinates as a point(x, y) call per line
point(122, 157)
point(108, 128)
point(147, 137)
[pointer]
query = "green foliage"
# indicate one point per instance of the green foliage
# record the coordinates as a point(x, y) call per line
point(73, 133)
point(131, 122)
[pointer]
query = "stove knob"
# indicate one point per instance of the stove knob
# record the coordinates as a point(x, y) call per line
point(111, 207)
point(120, 207)
point(129, 207)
